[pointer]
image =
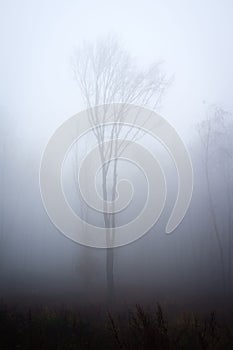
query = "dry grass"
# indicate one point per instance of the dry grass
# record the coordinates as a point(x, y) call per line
point(49, 329)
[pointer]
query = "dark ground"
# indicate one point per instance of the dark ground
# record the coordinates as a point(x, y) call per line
point(154, 327)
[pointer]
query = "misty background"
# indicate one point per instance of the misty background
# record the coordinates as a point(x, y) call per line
point(38, 92)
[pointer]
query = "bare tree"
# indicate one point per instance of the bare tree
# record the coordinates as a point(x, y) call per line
point(216, 134)
point(107, 74)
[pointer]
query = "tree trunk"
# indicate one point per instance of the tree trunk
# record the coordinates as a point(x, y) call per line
point(110, 276)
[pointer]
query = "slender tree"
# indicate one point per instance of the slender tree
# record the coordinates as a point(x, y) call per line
point(215, 134)
point(106, 74)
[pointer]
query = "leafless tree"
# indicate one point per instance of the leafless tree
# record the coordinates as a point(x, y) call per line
point(216, 136)
point(106, 74)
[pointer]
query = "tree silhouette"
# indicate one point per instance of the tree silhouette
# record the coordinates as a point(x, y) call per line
point(107, 74)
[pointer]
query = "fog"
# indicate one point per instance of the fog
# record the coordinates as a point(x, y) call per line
point(38, 92)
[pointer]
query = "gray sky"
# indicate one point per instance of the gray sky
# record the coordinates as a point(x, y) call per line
point(38, 38)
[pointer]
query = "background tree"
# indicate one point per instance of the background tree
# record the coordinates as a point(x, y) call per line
point(216, 137)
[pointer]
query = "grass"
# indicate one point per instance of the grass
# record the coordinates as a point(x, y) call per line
point(60, 329)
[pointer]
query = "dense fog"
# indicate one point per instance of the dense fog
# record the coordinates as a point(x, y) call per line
point(39, 41)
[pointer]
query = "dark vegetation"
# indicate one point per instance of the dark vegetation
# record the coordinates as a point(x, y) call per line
point(48, 329)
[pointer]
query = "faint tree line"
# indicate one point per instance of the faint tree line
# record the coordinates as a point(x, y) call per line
point(216, 137)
